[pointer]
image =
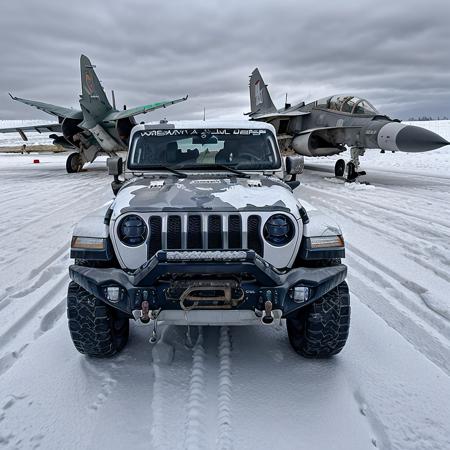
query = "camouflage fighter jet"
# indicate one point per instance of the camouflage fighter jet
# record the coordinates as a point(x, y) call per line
point(326, 126)
point(96, 128)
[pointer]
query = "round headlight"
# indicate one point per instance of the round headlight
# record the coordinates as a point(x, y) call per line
point(279, 230)
point(132, 230)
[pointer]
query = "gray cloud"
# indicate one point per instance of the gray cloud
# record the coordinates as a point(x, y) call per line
point(396, 53)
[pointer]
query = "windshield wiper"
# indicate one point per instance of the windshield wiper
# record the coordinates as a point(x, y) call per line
point(233, 170)
point(169, 169)
point(239, 173)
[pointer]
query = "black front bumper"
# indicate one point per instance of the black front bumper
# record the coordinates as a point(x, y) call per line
point(261, 282)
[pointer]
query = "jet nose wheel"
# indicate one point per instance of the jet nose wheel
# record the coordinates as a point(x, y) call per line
point(74, 163)
point(352, 174)
point(339, 168)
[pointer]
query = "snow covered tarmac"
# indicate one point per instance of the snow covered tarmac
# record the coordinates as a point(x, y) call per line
point(237, 387)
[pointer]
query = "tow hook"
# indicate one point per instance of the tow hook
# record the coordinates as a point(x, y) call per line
point(144, 317)
point(154, 316)
point(154, 337)
point(267, 317)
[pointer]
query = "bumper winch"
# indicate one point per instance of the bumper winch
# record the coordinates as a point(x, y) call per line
point(244, 282)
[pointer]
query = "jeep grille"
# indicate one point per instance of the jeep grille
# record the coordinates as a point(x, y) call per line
point(204, 232)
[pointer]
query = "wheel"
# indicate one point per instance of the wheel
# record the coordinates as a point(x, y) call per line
point(352, 174)
point(74, 163)
point(339, 168)
point(96, 329)
point(320, 330)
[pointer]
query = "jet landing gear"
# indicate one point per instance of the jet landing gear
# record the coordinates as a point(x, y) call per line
point(74, 163)
point(349, 171)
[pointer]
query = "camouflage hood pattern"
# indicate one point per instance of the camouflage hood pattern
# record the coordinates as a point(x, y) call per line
point(205, 193)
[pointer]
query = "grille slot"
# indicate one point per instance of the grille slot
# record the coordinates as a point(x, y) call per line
point(234, 232)
point(215, 240)
point(155, 241)
point(194, 232)
point(174, 232)
point(254, 236)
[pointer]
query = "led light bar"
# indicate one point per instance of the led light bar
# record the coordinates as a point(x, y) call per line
point(206, 256)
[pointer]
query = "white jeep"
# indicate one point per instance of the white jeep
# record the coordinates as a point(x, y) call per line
point(205, 230)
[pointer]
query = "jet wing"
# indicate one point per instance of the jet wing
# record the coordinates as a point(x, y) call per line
point(142, 109)
point(44, 128)
point(54, 110)
point(273, 116)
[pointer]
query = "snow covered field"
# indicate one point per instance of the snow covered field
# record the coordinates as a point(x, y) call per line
point(241, 388)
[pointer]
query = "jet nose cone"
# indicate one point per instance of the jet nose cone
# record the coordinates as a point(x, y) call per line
point(417, 139)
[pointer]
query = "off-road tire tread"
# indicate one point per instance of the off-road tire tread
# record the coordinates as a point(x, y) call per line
point(321, 329)
point(92, 324)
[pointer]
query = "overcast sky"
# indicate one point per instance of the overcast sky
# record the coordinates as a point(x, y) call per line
point(395, 53)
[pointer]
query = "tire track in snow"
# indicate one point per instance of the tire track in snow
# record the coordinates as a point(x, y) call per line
point(171, 387)
point(395, 231)
point(418, 254)
point(71, 205)
point(195, 407)
point(42, 305)
point(380, 294)
point(414, 288)
point(192, 397)
point(36, 278)
point(364, 202)
point(210, 392)
point(404, 304)
point(225, 441)
point(42, 276)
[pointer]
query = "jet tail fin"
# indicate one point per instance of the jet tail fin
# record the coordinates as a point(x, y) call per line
point(93, 97)
point(260, 101)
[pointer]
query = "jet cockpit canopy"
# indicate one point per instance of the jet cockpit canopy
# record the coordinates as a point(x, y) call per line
point(347, 104)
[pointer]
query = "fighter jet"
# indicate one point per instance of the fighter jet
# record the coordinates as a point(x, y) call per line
point(96, 128)
point(326, 126)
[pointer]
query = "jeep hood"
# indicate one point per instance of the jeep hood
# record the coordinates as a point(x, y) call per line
point(211, 193)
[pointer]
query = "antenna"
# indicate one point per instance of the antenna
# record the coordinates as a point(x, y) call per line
point(286, 104)
point(113, 99)
point(204, 113)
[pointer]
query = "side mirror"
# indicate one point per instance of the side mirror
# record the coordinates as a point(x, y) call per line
point(295, 164)
point(115, 166)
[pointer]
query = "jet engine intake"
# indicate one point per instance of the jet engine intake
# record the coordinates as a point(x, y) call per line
point(70, 128)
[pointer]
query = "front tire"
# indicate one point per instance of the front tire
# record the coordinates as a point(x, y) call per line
point(320, 330)
point(339, 168)
point(74, 163)
point(352, 174)
point(96, 329)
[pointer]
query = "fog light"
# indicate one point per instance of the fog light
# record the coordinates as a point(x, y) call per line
point(300, 294)
point(113, 294)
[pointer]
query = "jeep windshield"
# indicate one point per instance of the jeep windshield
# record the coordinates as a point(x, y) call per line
point(244, 149)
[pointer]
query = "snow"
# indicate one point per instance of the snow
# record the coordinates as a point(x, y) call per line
point(234, 387)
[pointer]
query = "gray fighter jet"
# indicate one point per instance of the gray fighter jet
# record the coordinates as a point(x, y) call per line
point(96, 128)
point(326, 126)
